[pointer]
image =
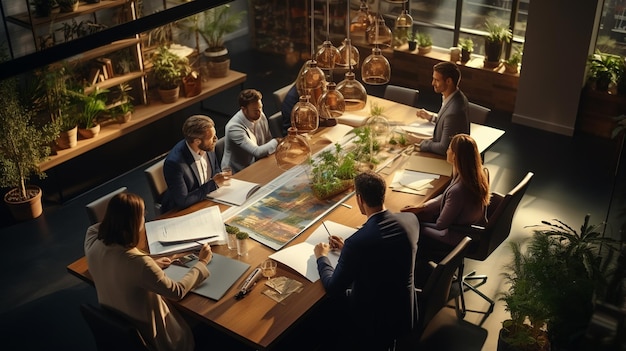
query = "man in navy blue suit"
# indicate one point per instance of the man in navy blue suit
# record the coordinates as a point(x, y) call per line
point(375, 271)
point(191, 169)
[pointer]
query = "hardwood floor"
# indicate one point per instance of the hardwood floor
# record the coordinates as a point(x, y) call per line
point(39, 302)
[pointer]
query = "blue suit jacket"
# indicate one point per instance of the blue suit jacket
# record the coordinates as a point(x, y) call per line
point(452, 119)
point(182, 178)
point(377, 262)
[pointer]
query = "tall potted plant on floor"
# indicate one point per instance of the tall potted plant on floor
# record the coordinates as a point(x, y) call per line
point(216, 23)
point(23, 145)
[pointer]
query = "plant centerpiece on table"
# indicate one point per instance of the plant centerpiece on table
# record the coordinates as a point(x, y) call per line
point(497, 34)
point(214, 24)
point(169, 70)
point(604, 71)
point(424, 43)
point(556, 280)
point(467, 47)
point(332, 172)
point(24, 144)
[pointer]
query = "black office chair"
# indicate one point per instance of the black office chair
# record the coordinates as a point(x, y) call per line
point(219, 149)
point(402, 95)
point(156, 181)
point(488, 238)
point(279, 95)
point(275, 122)
point(478, 114)
point(111, 330)
point(97, 208)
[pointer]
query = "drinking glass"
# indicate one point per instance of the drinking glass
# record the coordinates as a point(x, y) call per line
point(268, 268)
point(227, 172)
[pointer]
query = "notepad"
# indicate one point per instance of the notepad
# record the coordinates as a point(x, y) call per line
point(428, 165)
point(224, 273)
point(235, 194)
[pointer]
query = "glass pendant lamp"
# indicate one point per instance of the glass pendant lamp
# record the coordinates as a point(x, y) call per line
point(292, 150)
point(348, 53)
point(353, 92)
point(375, 69)
point(304, 116)
point(328, 55)
point(402, 27)
point(379, 33)
point(362, 20)
point(311, 79)
point(331, 105)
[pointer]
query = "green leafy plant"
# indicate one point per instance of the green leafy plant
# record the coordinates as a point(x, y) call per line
point(23, 143)
point(242, 235)
point(604, 70)
point(423, 39)
point(91, 105)
point(217, 22)
point(169, 68)
point(43, 8)
point(497, 31)
point(332, 172)
point(53, 95)
point(559, 269)
point(231, 229)
point(125, 100)
point(466, 44)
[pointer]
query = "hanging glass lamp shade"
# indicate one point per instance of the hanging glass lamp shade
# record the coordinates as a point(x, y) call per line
point(348, 52)
point(331, 103)
point(292, 150)
point(362, 20)
point(379, 34)
point(311, 81)
point(353, 92)
point(327, 56)
point(304, 116)
point(402, 29)
point(375, 69)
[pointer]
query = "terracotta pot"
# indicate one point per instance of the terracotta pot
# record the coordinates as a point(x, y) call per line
point(23, 210)
point(169, 96)
point(424, 49)
point(125, 118)
point(218, 63)
point(67, 139)
point(508, 68)
point(89, 133)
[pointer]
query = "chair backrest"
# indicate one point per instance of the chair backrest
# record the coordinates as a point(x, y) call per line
point(499, 219)
point(279, 96)
point(478, 114)
point(219, 149)
point(402, 95)
point(276, 124)
point(111, 330)
point(436, 292)
point(97, 208)
point(156, 181)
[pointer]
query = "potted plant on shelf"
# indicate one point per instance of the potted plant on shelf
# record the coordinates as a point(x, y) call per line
point(557, 279)
point(169, 70)
point(497, 35)
point(217, 22)
point(424, 43)
point(43, 8)
point(124, 110)
point(412, 40)
point(67, 5)
point(605, 71)
point(24, 144)
point(511, 65)
point(89, 106)
point(467, 47)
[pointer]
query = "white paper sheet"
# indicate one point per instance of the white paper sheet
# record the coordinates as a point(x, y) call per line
point(412, 182)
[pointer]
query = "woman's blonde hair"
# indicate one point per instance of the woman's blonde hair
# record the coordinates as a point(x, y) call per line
point(469, 166)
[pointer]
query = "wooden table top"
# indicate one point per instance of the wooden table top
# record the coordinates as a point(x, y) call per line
point(258, 320)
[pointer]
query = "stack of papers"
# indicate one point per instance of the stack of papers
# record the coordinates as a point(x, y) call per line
point(186, 232)
point(301, 258)
point(234, 194)
point(421, 129)
point(412, 182)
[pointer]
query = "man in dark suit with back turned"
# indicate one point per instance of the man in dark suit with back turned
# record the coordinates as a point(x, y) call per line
point(374, 275)
point(453, 117)
point(191, 169)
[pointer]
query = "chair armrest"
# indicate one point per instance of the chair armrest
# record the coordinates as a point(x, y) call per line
point(474, 231)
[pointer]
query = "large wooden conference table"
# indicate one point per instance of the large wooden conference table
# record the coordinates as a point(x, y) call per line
point(257, 320)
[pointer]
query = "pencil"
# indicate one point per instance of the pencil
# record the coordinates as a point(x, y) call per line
point(327, 231)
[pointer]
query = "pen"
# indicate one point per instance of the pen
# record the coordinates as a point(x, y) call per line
point(327, 231)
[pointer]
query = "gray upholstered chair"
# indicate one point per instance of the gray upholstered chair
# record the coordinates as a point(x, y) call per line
point(401, 95)
point(156, 181)
point(279, 95)
point(97, 208)
point(275, 122)
point(477, 113)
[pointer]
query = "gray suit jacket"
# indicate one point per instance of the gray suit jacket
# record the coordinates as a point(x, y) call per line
point(240, 149)
point(452, 119)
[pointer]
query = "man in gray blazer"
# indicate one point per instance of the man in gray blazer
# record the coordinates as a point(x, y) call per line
point(453, 117)
point(248, 136)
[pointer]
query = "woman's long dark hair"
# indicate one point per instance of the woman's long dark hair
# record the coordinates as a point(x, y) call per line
point(123, 220)
point(469, 166)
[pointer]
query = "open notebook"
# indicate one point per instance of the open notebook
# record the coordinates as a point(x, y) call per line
point(224, 273)
point(235, 194)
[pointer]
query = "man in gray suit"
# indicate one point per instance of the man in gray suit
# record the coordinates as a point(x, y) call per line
point(248, 136)
point(453, 117)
